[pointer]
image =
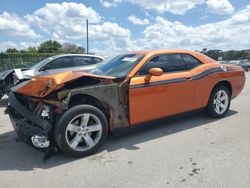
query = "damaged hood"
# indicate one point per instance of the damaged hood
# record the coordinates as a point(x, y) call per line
point(44, 85)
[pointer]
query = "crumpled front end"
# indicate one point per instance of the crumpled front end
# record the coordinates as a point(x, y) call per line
point(35, 106)
point(30, 120)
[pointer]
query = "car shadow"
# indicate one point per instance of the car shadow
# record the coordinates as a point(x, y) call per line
point(16, 155)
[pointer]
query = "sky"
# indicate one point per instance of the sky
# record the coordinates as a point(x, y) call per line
point(119, 26)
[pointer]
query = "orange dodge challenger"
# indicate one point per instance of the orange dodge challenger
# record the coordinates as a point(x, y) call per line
point(75, 111)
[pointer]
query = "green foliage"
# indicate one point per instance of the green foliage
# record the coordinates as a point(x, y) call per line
point(24, 58)
point(50, 46)
point(228, 55)
point(214, 54)
point(32, 50)
point(12, 50)
point(236, 55)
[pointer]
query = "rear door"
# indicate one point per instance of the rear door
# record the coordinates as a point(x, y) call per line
point(85, 63)
point(168, 94)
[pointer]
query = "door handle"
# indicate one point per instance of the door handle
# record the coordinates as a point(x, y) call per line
point(188, 78)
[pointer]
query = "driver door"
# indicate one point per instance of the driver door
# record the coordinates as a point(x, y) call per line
point(57, 65)
point(160, 96)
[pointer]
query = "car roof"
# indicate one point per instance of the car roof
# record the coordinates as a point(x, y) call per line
point(83, 55)
point(200, 56)
point(152, 52)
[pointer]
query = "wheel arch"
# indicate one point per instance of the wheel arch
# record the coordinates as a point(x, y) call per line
point(88, 99)
point(225, 83)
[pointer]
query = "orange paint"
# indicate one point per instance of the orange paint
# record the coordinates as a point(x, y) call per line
point(191, 91)
point(152, 97)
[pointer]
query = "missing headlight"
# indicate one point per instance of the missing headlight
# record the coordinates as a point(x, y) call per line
point(44, 112)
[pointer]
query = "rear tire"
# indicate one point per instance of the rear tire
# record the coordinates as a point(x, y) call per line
point(81, 131)
point(219, 102)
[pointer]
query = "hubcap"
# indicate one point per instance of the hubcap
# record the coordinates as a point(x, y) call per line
point(83, 132)
point(221, 102)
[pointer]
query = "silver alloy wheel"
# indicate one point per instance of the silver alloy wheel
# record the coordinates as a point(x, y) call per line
point(83, 132)
point(221, 101)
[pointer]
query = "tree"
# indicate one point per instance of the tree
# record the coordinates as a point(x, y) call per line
point(12, 50)
point(72, 48)
point(22, 51)
point(50, 46)
point(204, 50)
point(32, 50)
point(214, 54)
point(241, 54)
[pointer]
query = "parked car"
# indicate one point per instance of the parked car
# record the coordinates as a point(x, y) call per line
point(245, 64)
point(51, 65)
point(75, 111)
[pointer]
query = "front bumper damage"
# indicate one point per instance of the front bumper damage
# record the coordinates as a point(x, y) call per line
point(30, 127)
point(38, 104)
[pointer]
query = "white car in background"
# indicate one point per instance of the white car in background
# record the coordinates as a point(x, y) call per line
point(51, 65)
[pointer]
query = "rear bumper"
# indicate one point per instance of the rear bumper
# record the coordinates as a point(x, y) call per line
point(25, 122)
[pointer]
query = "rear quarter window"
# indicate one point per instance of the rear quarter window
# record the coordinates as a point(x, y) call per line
point(190, 61)
point(96, 60)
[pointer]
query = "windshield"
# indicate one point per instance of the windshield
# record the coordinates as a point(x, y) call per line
point(41, 62)
point(120, 66)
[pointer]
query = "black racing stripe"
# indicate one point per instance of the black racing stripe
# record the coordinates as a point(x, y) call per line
point(206, 73)
point(232, 69)
point(177, 80)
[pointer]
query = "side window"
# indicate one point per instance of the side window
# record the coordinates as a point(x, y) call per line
point(82, 61)
point(96, 60)
point(190, 61)
point(167, 62)
point(61, 62)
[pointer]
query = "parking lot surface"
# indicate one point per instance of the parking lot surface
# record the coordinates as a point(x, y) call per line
point(190, 150)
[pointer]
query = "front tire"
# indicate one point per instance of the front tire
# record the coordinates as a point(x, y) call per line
point(81, 131)
point(219, 102)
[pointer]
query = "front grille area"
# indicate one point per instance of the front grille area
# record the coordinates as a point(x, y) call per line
point(27, 102)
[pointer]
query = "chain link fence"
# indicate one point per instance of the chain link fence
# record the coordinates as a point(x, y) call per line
point(10, 61)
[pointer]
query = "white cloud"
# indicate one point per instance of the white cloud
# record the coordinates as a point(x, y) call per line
point(220, 7)
point(137, 21)
point(106, 3)
point(19, 45)
point(12, 25)
point(110, 3)
point(63, 20)
point(173, 6)
point(232, 33)
point(108, 30)
point(111, 38)
point(7, 44)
